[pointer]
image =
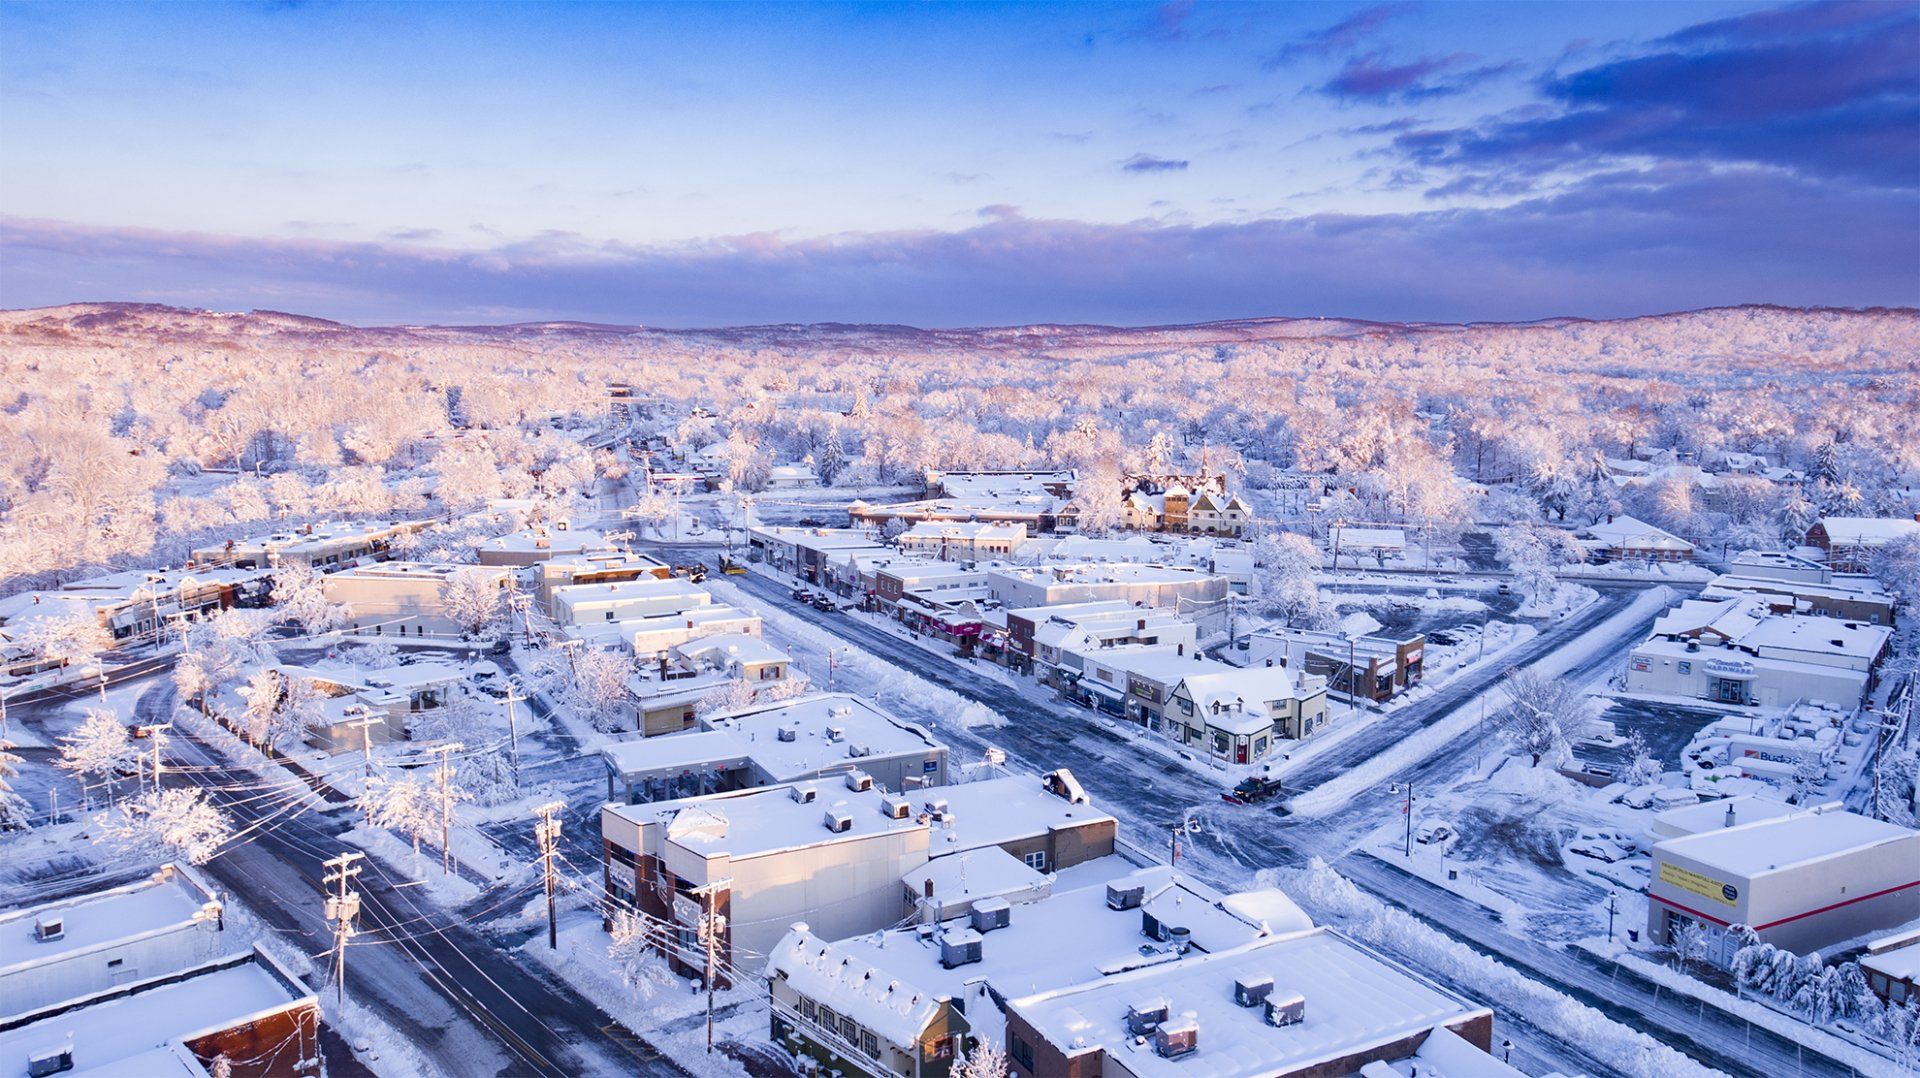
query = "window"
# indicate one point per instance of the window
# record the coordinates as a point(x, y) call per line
point(850, 1029)
point(1037, 860)
point(1220, 743)
point(1686, 667)
point(1186, 705)
point(829, 1021)
point(1021, 1051)
point(869, 1043)
point(808, 1010)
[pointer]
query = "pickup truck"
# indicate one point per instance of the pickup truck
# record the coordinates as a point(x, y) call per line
point(1252, 790)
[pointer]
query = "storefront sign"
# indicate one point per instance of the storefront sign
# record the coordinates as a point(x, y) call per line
point(1706, 887)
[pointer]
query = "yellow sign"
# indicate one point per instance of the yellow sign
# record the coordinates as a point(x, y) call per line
point(1688, 880)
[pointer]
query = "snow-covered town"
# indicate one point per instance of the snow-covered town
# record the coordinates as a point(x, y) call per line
point(1189, 540)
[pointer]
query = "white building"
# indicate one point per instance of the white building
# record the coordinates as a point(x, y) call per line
point(1623, 538)
point(322, 545)
point(1180, 588)
point(94, 941)
point(974, 540)
point(1794, 585)
point(1736, 651)
point(404, 598)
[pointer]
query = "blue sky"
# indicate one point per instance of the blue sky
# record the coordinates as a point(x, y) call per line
point(960, 164)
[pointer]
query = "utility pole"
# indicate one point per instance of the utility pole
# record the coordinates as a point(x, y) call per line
point(156, 732)
point(710, 928)
point(513, 730)
point(1613, 907)
point(446, 806)
point(547, 833)
point(1406, 809)
point(365, 725)
point(343, 906)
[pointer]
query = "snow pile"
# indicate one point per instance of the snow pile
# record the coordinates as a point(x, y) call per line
point(1515, 776)
point(1366, 918)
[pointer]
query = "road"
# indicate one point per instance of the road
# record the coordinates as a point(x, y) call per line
point(463, 1003)
point(1148, 792)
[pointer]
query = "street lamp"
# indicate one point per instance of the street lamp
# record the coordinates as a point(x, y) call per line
point(1406, 808)
point(1506, 1049)
point(1613, 907)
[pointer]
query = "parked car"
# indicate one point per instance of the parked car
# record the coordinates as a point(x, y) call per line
point(1434, 833)
point(1597, 849)
point(1505, 589)
point(1622, 839)
point(802, 595)
point(1639, 797)
point(1251, 790)
point(824, 602)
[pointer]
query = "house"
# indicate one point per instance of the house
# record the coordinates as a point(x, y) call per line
point(852, 1018)
point(405, 598)
point(796, 476)
point(245, 1007)
point(1737, 651)
point(1794, 585)
point(1851, 542)
point(1179, 587)
point(742, 656)
point(1376, 543)
point(972, 540)
point(1357, 665)
point(321, 545)
point(830, 852)
point(95, 940)
point(1622, 538)
point(1238, 714)
point(1219, 514)
point(1803, 881)
point(1304, 1003)
point(767, 744)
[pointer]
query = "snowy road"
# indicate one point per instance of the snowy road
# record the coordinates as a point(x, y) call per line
point(1150, 794)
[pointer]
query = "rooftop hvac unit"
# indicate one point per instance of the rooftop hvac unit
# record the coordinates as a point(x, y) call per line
point(1179, 936)
point(894, 807)
point(786, 733)
point(990, 913)
point(839, 820)
point(1125, 895)
point(804, 794)
point(857, 751)
point(1178, 1037)
point(51, 1061)
point(836, 733)
point(842, 711)
point(937, 806)
point(47, 929)
point(959, 947)
point(1287, 1010)
point(1251, 990)
point(1145, 1016)
point(859, 781)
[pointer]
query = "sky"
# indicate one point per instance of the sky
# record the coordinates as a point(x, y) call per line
point(960, 164)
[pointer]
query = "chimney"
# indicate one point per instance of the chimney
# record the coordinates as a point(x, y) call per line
point(1729, 814)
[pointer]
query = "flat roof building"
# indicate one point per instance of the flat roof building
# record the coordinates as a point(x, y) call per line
point(91, 942)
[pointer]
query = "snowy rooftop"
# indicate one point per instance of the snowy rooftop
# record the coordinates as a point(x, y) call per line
point(1070, 938)
point(936, 531)
point(1748, 623)
point(1105, 573)
point(1354, 1001)
point(733, 647)
point(875, 998)
point(413, 570)
point(1368, 538)
point(1772, 845)
point(734, 739)
point(820, 538)
point(1632, 534)
point(320, 535)
point(1712, 815)
point(1897, 955)
point(170, 898)
point(1868, 531)
point(964, 877)
point(769, 820)
point(548, 540)
point(996, 811)
point(129, 1029)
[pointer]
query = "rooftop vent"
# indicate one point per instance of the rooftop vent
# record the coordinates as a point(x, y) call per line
point(48, 929)
point(1125, 895)
point(839, 820)
point(1145, 1016)
point(990, 913)
point(51, 1061)
point(1178, 1037)
point(1178, 936)
point(895, 807)
point(836, 733)
point(1252, 989)
point(786, 733)
point(859, 781)
point(937, 806)
point(959, 947)
point(1287, 1010)
point(804, 794)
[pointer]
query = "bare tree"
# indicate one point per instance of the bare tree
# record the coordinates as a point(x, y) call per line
point(1540, 711)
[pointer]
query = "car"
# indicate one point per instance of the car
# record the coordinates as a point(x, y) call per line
point(1251, 790)
point(1639, 797)
point(1505, 589)
point(824, 602)
point(1434, 833)
point(1597, 849)
point(802, 595)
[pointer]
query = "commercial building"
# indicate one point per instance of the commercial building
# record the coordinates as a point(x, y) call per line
point(1737, 651)
point(405, 598)
point(808, 738)
point(1892, 966)
point(132, 606)
point(1623, 538)
point(94, 941)
point(542, 542)
point(810, 553)
point(975, 540)
point(1038, 513)
point(1794, 585)
point(245, 1007)
point(594, 567)
point(321, 545)
point(1851, 543)
point(1368, 667)
point(830, 852)
point(1802, 881)
point(1051, 639)
point(1180, 588)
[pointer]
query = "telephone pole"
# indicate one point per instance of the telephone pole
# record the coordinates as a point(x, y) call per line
point(446, 806)
point(547, 832)
point(365, 725)
point(343, 906)
point(711, 926)
point(513, 730)
point(155, 732)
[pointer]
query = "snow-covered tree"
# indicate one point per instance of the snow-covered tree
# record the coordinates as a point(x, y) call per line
point(1642, 768)
point(1285, 564)
point(983, 1060)
point(1687, 940)
point(473, 599)
point(633, 946)
point(299, 594)
point(1540, 711)
point(735, 694)
point(69, 638)
point(15, 815)
point(1535, 554)
point(487, 777)
point(405, 806)
point(374, 655)
point(174, 824)
point(99, 748)
point(219, 649)
point(589, 681)
point(1808, 771)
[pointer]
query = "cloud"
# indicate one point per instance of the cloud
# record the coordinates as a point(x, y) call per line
point(1000, 210)
point(1343, 36)
point(1146, 162)
point(1826, 91)
point(1618, 243)
point(1370, 78)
